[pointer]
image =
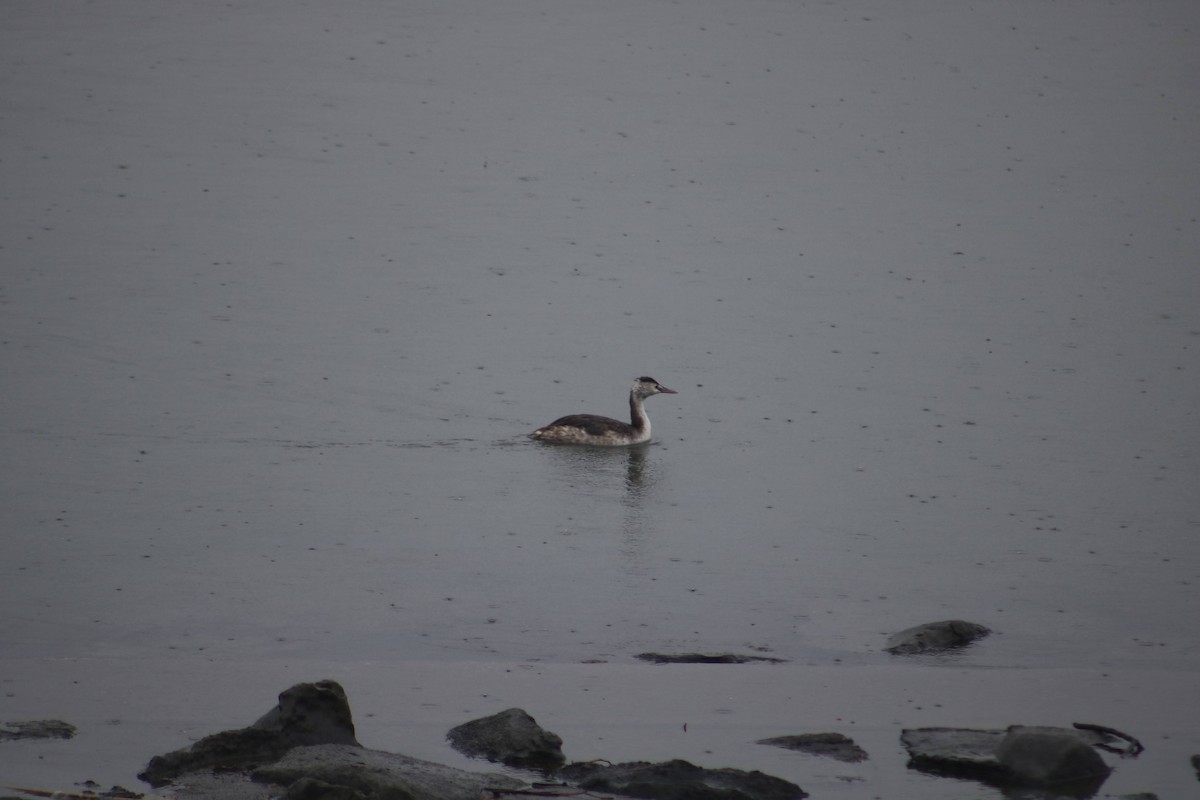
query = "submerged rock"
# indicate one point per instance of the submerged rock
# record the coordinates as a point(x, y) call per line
point(306, 714)
point(511, 737)
point(833, 745)
point(37, 729)
point(679, 780)
point(1019, 756)
point(706, 658)
point(934, 637)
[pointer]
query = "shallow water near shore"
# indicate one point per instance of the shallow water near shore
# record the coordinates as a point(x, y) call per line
point(286, 288)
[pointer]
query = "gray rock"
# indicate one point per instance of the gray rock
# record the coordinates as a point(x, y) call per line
point(511, 737)
point(208, 785)
point(377, 775)
point(307, 714)
point(311, 713)
point(1196, 765)
point(312, 789)
point(305, 749)
point(960, 752)
point(833, 745)
point(679, 780)
point(706, 658)
point(342, 772)
point(1042, 756)
point(1018, 756)
point(37, 729)
point(935, 637)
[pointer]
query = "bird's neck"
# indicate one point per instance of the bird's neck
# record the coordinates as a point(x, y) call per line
point(637, 413)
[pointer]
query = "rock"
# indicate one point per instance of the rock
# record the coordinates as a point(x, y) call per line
point(359, 772)
point(679, 780)
point(312, 713)
point(1196, 765)
point(91, 789)
point(307, 714)
point(305, 749)
point(312, 789)
point(705, 658)
point(833, 745)
point(958, 752)
point(343, 772)
point(228, 750)
point(37, 729)
point(511, 737)
point(207, 785)
point(1042, 756)
point(1018, 756)
point(935, 637)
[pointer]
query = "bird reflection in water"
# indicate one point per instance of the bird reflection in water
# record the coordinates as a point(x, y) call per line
point(626, 475)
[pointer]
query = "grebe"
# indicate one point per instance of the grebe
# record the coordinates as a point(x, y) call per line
point(593, 429)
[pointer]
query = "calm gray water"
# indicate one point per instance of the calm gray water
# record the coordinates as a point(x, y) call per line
point(284, 290)
point(809, 492)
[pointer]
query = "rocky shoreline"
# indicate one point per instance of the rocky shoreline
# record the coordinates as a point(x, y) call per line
point(306, 748)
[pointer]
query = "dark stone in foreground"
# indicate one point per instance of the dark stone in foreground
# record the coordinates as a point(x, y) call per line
point(307, 714)
point(1063, 758)
point(959, 752)
point(705, 658)
point(313, 789)
point(305, 749)
point(833, 745)
point(679, 780)
point(37, 729)
point(344, 771)
point(935, 637)
point(1037, 756)
point(511, 737)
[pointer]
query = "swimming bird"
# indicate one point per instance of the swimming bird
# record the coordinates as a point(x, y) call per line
point(605, 431)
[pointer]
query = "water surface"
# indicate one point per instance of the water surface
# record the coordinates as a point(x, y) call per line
point(285, 289)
